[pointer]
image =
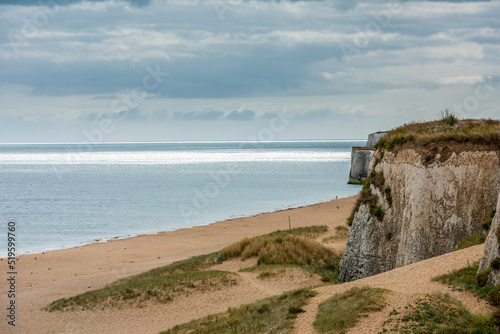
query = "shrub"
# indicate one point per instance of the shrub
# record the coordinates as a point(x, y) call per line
point(488, 220)
point(290, 249)
point(495, 263)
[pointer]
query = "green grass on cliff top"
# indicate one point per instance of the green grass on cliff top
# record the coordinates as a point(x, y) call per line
point(448, 128)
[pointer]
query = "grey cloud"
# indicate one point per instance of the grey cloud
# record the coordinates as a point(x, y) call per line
point(134, 114)
point(139, 3)
point(314, 114)
point(245, 115)
point(281, 54)
point(203, 116)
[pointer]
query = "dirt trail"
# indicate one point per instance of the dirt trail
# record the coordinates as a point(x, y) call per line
point(405, 283)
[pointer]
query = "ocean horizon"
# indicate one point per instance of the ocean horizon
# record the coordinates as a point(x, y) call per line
point(64, 195)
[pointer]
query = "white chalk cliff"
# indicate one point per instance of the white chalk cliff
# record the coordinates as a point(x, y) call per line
point(422, 202)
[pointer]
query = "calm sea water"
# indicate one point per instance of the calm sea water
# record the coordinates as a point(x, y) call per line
point(65, 195)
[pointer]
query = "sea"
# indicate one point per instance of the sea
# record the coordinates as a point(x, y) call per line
point(64, 195)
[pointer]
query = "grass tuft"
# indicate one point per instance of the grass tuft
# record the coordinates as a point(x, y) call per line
point(271, 315)
point(291, 249)
point(366, 196)
point(343, 310)
point(476, 131)
point(469, 280)
point(471, 240)
point(438, 313)
point(488, 220)
point(160, 289)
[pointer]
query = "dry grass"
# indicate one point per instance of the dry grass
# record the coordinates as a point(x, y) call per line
point(271, 315)
point(437, 313)
point(343, 310)
point(135, 293)
point(291, 249)
point(476, 131)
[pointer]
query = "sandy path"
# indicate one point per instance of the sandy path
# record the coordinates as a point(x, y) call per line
point(405, 283)
point(43, 278)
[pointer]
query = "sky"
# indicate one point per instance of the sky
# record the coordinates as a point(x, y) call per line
point(162, 70)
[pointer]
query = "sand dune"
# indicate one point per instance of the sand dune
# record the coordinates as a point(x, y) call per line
point(44, 278)
point(405, 284)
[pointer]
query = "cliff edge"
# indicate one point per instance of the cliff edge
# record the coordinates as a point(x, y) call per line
point(361, 157)
point(429, 189)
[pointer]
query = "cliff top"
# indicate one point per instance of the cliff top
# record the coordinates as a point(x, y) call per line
point(449, 128)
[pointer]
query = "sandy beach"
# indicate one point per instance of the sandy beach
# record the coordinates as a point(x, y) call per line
point(43, 278)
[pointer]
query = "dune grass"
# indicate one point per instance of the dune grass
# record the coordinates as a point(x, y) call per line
point(467, 279)
point(160, 289)
point(205, 261)
point(290, 249)
point(195, 263)
point(183, 277)
point(309, 232)
point(341, 233)
point(270, 315)
point(476, 131)
point(437, 313)
point(273, 270)
point(343, 310)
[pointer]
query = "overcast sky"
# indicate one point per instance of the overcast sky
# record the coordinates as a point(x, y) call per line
point(164, 70)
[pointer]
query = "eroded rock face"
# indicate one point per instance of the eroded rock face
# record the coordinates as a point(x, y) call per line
point(360, 163)
point(436, 200)
point(373, 138)
point(492, 248)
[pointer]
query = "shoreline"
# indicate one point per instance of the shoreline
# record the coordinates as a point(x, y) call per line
point(44, 278)
point(128, 236)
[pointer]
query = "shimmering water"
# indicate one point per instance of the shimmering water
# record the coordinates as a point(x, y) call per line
point(64, 195)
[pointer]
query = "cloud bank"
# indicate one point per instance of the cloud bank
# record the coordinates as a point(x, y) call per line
point(225, 61)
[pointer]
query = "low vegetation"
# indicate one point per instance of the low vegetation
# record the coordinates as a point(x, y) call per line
point(273, 270)
point(160, 289)
point(437, 313)
point(309, 232)
point(467, 279)
point(163, 284)
point(271, 315)
point(471, 240)
point(367, 197)
point(341, 233)
point(290, 249)
point(192, 264)
point(488, 220)
point(343, 310)
point(203, 262)
point(448, 128)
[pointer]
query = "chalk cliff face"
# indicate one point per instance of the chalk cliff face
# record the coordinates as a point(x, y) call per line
point(373, 138)
point(361, 157)
point(360, 163)
point(492, 248)
point(422, 202)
